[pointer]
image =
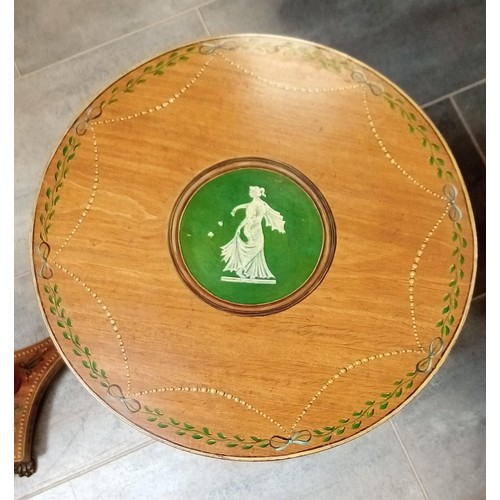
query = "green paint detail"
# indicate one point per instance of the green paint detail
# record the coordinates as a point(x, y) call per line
point(382, 403)
point(62, 169)
point(457, 274)
point(66, 326)
point(326, 433)
point(318, 56)
point(418, 129)
point(207, 225)
point(152, 70)
point(204, 433)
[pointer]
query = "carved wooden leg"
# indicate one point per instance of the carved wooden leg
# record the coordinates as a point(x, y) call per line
point(34, 368)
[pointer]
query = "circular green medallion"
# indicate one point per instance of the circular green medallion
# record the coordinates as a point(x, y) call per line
point(252, 236)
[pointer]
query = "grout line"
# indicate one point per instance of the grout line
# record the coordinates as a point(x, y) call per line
point(16, 70)
point(22, 274)
point(467, 128)
point(202, 20)
point(118, 38)
point(93, 467)
point(409, 460)
point(204, 4)
point(454, 93)
point(73, 491)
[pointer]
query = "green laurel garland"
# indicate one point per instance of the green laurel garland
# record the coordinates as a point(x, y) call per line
point(417, 128)
point(151, 70)
point(456, 275)
point(52, 193)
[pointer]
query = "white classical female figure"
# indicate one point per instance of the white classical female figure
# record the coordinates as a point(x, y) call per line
point(244, 254)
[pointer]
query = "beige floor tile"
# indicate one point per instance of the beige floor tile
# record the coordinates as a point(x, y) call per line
point(47, 32)
point(29, 327)
point(372, 466)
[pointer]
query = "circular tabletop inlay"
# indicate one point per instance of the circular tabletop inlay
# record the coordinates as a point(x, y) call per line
point(238, 252)
point(253, 247)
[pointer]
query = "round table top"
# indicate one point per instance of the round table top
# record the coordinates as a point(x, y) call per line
point(253, 247)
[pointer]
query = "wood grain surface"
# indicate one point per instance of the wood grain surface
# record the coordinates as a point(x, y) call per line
point(267, 383)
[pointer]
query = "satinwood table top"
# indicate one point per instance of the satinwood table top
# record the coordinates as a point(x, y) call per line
point(253, 247)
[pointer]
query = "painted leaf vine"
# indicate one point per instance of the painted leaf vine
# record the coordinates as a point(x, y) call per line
point(418, 129)
point(326, 433)
point(370, 408)
point(152, 70)
point(52, 193)
point(203, 433)
point(456, 275)
point(64, 322)
point(312, 54)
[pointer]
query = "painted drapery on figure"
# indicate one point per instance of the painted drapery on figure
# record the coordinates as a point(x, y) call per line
point(244, 253)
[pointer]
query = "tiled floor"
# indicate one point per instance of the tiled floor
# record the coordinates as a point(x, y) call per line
point(65, 53)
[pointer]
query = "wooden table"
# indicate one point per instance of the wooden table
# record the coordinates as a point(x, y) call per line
point(253, 247)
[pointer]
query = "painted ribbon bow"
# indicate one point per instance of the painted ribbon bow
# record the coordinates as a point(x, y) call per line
point(359, 77)
point(450, 191)
point(132, 405)
point(45, 271)
point(209, 48)
point(91, 114)
point(279, 443)
point(435, 347)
